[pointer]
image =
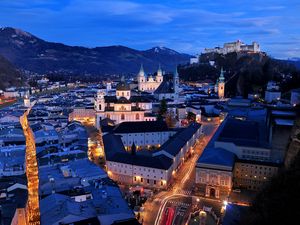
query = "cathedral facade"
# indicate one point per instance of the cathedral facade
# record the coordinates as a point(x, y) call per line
point(149, 83)
point(122, 107)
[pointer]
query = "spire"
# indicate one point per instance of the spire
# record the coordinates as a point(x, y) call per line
point(221, 78)
point(142, 73)
point(159, 69)
point(133, 149)
point(123, 79)
point(176, 72)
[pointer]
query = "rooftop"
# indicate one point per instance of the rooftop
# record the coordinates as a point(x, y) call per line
point(141, 127)
point(244, 133)
point(217, 156)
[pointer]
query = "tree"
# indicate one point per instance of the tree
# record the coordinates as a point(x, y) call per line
point(162, 109)
point(170, 119)
point(191, 117)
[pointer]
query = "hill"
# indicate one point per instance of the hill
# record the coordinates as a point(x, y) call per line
point(9, 76)
point(31, 53)
point(244, 72)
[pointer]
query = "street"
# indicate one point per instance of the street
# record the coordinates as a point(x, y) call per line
point(179, 197)
point(33, 211)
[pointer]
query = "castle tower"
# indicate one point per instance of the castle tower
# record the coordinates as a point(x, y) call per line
point(159, 76)
point(221, 84)
point(141, 78)
point(176, 81)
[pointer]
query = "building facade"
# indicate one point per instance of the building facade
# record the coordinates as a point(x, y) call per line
point(149, 84)
point(237, 46)
point(253, 175)
point(145, 134)
point(214, 172)
point(122, 107)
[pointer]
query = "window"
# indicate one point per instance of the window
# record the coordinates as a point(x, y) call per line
point(134, 178)
point(122, 93)
point(161, 183)
point(142, 179)
point(122, 116)
point(137, 116)
point(154, 181)
point(147, 181)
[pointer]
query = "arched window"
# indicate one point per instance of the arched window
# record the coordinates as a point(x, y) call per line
point(137, 116)
point(122, 93)
point(100, 107)
point(122, 116)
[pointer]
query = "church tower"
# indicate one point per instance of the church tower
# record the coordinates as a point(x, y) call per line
point(141, 78)
point(176, 81)
point(27, 103)
point(159, 76)
point(221, 84)
point(99, 106)
point(100, 101)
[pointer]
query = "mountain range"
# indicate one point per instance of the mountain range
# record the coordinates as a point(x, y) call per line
point(30, 53)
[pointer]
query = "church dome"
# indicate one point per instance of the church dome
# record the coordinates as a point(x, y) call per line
point(122, 86)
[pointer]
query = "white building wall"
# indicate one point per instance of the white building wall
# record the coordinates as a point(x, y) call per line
point(146, 139)
point(139, 174)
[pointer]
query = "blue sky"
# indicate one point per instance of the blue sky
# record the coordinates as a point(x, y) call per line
point(183, 25)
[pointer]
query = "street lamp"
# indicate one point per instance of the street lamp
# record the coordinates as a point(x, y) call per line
point(225, 203)
point(223, 209)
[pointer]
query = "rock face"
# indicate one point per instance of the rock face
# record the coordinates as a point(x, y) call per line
point(34, 54)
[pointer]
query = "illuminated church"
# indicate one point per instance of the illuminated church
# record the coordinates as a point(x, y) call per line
point(149, 83)
point(122, 107)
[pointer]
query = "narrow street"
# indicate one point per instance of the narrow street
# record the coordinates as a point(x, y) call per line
point(179, 197)
point(32, 210)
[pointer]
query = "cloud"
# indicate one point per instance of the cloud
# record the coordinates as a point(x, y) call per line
point(269, 8)
point(186, 25)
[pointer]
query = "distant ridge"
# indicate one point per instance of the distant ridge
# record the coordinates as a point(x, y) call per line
point(31, 53)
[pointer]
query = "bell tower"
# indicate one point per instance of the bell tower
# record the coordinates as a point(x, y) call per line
point(159, 76)
point(100, 101)
point(221, 84)
point(176, 81)
point(27, 103)
point(141, 78)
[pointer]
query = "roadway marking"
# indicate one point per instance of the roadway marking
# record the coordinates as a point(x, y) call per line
point(180, 203)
